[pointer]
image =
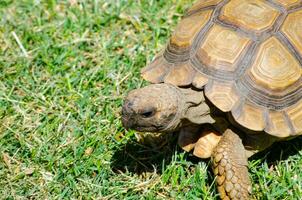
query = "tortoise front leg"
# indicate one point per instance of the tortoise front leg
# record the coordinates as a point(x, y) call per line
point(202, 142)
point(230, 167)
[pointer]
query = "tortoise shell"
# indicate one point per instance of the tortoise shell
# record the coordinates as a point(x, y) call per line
point(246, 55)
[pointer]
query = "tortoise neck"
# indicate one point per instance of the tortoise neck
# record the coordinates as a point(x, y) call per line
point(196, 110)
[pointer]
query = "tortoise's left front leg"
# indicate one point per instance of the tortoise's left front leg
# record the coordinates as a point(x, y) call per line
point(230, 167)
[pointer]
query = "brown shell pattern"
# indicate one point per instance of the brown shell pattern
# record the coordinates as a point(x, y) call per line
point(246, 55)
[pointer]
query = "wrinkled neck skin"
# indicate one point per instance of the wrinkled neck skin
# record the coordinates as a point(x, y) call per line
point(192, 109)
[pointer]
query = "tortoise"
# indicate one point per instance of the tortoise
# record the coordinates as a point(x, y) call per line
point(235, 65)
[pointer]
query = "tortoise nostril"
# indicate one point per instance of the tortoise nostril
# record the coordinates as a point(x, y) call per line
point(127, 108)
point(129, 104)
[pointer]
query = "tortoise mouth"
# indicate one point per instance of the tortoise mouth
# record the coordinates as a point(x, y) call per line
point(139, 123)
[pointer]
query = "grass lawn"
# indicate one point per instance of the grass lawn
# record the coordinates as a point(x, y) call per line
point(65, 67)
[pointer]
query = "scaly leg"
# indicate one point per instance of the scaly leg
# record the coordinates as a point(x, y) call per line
point(230, 167)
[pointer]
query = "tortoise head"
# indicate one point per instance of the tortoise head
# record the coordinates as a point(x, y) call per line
point(162, 108)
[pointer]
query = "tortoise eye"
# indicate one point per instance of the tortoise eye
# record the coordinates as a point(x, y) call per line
point(148, 113)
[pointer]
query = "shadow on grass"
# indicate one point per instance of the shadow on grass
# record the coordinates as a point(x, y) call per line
point(139, 158)
point(280, 151)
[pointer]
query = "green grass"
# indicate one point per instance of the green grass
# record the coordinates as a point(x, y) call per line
point(60, 102)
